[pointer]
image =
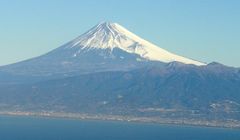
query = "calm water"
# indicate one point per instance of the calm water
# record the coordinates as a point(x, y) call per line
point(30, 128)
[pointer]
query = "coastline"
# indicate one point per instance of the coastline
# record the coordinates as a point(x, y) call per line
point(115, 118)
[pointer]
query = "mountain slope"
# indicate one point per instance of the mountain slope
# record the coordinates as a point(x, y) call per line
point(112, 35)
point(105, 47)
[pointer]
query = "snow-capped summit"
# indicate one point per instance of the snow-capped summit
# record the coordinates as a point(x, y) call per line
point(108, 35)
point(105, 47)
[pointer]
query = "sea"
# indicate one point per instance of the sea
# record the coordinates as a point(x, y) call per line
point(37, 128)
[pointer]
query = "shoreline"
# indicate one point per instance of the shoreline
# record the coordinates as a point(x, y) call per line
point(133, 119)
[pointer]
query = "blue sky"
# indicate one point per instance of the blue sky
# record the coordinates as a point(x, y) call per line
point(205, 30)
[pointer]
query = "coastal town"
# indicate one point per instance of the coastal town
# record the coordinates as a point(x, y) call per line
point(235, 124)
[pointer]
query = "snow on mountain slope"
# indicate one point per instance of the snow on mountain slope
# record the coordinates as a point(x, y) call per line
point(105, 47)
point(112, 35)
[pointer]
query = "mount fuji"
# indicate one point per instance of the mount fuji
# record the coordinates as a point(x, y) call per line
point(111, 73)
point(110, 36)
point(105, 47)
